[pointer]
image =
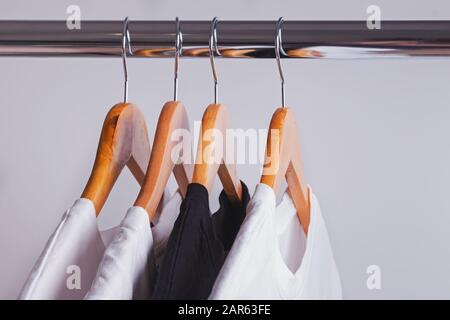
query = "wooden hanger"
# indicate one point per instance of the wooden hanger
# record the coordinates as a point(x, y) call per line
point(172, 117)
point(283, 156)
point(123, 141)
point(215, 121)
point(283, 160)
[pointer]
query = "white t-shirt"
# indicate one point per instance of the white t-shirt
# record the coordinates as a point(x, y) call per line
point(272, 258)
point(78, 255)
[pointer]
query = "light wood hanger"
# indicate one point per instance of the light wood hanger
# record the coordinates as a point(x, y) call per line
point(283, 155)
point(172, 117)
point(215, 121)
point(123, 141)
point(283, 160)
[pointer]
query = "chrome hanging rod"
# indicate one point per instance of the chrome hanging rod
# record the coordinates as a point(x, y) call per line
point(237, 39)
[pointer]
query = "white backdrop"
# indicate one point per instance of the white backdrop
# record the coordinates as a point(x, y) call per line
point(375, 134)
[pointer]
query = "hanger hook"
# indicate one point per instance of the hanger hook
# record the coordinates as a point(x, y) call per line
point(278, 51)
point(125, 40)
point(213, 46)
point(178, 53)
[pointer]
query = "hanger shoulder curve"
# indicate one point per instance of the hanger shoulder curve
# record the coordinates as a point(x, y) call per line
point(283, 161)
point(123, 142)
point(213, 135)
point(173, 117)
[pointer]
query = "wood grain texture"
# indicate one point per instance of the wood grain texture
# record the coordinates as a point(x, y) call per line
point(283, 161)
point(123, 142)
point(173, 117)
point(215, 121)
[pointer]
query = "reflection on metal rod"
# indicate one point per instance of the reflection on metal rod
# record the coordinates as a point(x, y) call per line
point(237, 39)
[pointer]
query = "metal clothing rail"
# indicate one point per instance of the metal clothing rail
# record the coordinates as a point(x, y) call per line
point(236, 39)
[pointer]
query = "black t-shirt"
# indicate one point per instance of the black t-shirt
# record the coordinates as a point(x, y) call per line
point(198, 245)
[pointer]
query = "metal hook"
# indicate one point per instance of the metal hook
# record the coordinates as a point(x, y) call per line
point(213, 45)
point(125, 39)
point(278, 51)
point(178, 53)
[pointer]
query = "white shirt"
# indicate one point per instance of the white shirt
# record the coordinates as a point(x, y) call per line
point(129, 266)
point(78, 255)
point(272, 258)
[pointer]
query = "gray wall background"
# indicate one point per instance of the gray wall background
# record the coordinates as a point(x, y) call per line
point(375, 134)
